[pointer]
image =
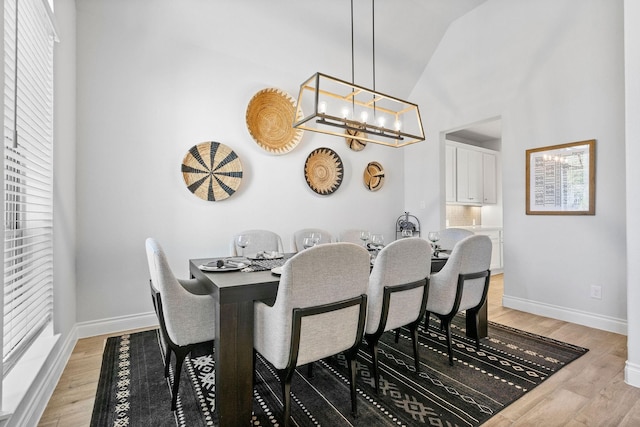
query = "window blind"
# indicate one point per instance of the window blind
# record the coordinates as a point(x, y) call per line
point(28, 181)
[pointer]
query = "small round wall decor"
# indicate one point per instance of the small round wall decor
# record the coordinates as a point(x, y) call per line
point(353, 143)
point(373, 176)
point(323, 170)
point(212, 171)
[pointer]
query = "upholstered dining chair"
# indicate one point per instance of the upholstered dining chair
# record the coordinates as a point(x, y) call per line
point(397, 294)
point(450, 236)
point(319, 311)
point(186, 319)
point(259, 240)
point(297, 243)
point(462, 284)
point(351, 235)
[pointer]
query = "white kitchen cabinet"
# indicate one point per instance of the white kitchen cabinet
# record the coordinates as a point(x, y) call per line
point(470, 175)
point(469, 180)
point(496, 247)
point(450, 171)
point(489, 188)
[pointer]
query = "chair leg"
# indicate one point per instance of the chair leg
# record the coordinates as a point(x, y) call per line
point(181, 353)
point(167, 360)
point(285, 382)
point(397, 335)
point(476, 317)
point(352, 378)
point(310, 370)
point(372, 340)
point(414, 338)
point(447, 324)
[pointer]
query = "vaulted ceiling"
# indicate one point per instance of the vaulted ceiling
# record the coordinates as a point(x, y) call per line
point(312, 36)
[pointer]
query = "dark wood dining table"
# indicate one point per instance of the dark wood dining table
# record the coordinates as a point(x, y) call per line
point(234, 293)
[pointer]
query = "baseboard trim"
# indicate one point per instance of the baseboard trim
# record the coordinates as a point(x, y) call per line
point(632, 374)
point(116, 324)
point(605, 323)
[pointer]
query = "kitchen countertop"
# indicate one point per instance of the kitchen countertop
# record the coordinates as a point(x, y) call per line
point(477, 227)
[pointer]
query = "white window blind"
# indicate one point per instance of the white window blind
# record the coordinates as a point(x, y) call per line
point(28, 182)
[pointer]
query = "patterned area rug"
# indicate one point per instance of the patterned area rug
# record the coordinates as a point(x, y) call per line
point(133, 392)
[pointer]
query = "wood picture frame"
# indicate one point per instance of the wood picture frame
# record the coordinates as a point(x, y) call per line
point(561, 179)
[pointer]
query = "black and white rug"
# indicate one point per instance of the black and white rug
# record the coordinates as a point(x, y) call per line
point(132, 390)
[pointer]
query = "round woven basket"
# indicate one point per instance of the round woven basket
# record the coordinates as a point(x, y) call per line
point(353, 143)
point(323, 171)
point(270, 115)
point(373, 176)
point(212, 171)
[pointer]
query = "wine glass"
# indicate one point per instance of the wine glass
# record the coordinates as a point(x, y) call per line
point(364, 236)
point(377, 243)
point(433, 237)
point(315, 238)
point(307, 242)
point(242, 241)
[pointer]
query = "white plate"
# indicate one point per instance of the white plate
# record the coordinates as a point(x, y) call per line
point(277, 270)
point(262, 255)
point(206, 267)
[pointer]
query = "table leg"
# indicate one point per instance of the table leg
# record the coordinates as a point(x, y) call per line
point(234, 363)
point(483, 328)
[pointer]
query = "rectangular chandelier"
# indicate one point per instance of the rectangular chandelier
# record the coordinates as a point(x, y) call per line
point(335, 107)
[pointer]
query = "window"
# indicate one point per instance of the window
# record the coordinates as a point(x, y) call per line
point(28, 181)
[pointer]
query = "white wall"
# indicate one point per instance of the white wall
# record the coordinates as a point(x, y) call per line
point(632, 98)
point(154, 79)
point(553, 70)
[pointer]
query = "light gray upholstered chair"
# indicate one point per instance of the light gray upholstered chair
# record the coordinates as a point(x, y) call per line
point(297, 243)
point(397, 294)
point(450, 236)
point(259, 240)
point(462, 284)
point(186, 319)
point(319, 311)
point(352, 236)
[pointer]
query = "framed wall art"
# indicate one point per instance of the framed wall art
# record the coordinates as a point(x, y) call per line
point(561, 179)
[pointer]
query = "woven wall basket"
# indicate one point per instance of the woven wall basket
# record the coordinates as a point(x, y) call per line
point(212, 171)
point(354, 144)
point(373, 176)
point(269, 117)
point(323, 171)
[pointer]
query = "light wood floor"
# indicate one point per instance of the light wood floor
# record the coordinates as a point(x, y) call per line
point(589, 392)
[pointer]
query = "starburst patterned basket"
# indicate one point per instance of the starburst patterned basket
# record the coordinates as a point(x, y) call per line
point(270, 115)
point(323, 171)
point(212, 171)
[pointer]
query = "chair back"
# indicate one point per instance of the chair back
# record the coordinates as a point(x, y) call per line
point(470, 255)
point(320, 275)
point(259, 240)
point(401, 262)
point(450, 236)
point(182, 325)
point(298, 237)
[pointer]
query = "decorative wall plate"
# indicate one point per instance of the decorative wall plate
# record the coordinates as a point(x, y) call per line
point(212, 171)
point(323, 170)
point(373, 176)
point(354, 144)
point(269, 118)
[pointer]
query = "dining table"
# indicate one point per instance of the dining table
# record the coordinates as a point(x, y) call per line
point(235, 292)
